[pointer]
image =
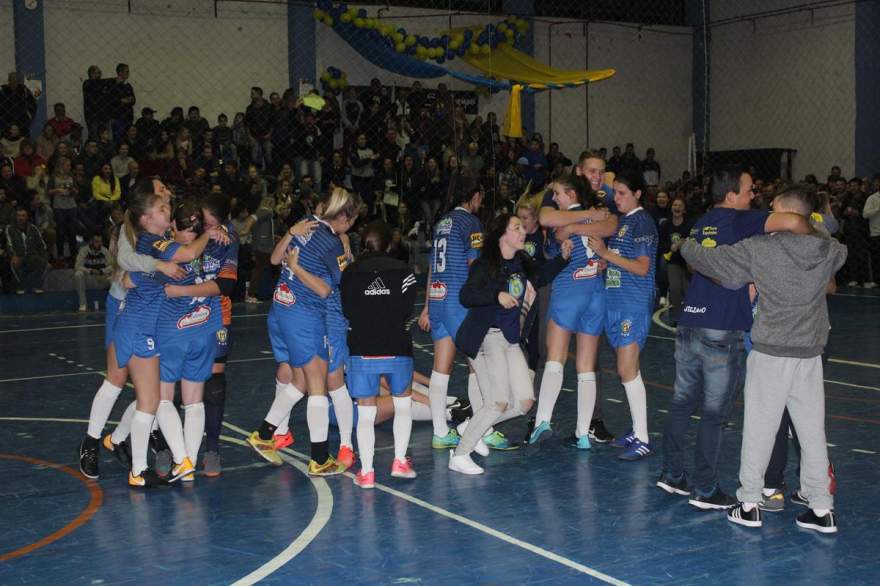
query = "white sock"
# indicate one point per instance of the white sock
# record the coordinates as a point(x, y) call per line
point(437, 395)
point(551, 384)
point(318, 418)
point(638, 406)
point(172, 429)
point(749, 506)
point(474, 395)
point(283, 426)
point(420, 388)
point(366, 433)
point(124, 428)
point(586, 402)
point(420, 411)
point(141, 423)
point(193, 429)
point(768, 491)
point(821, 512)
point(102, 405)
point(402, 425)
point(344, 410)
point(286, 396)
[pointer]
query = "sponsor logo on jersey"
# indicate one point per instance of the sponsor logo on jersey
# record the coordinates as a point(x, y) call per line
point(530, 249)
point(444, 226)
point(625, 327)
point(438, 291)
point(377, 287)
point(601, 194)
point(692, 309)
point(587, 272)
point(162, 245)
point(622, 232)
point(284, 295)
point(612, 278)
point(210, 264)
point(515, 286)
point(477, 240)
point(196, 317)
point(342, 261)
point(708, 243)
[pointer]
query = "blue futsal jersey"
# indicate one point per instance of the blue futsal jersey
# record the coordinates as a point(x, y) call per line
point(321, 254)
point(221, 260)
point(636, 236)
point(140, 310)
point(458, 238)
point(185, 317)
point(581, 274)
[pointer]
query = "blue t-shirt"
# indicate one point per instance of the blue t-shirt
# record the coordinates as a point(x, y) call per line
point(321, 254)
point(707, 304)
point(581, 274)
point(190, 316)
point(507, 320)
point(142, 304)
point(636, 236)
point(458, 238)
point(221, 261)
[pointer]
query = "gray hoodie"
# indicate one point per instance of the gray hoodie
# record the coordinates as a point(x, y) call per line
point(791, 273)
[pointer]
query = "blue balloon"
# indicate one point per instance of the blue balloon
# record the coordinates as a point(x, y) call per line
point(468, 35)
point(461, 51)
point(450, 54)
point(481, 40)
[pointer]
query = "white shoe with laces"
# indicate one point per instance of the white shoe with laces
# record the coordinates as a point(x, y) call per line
point(463, 464)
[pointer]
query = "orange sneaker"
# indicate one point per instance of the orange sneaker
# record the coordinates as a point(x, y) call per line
point(367, 480)
point(282, 441)
point(402, 468)
point(346, 457)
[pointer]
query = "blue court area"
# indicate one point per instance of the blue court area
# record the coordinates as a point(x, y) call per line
point(552, 516)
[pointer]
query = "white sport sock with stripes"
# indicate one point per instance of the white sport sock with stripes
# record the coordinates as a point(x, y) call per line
point(124, 428)
point(366, 434)
point(402, 425)
point(551, 385)
point(344, 410)
point(586, 402)
point(102, 405)
point(437, 395)
point(638, 407)
point(172, 430)
point(141, 423)
point(193, 429)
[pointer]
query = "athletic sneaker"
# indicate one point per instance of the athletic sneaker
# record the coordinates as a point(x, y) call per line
point(184, 471)
point(580, 442)
point(745, 518)
point(367, 480)
point(460, 411)
point(625, 441)
point(282, 441)
point(120, 452)
point(541, 432)
point(674, 486)
point(797, 498)
point(146, 479)
point(402, 468)
point(810, 520)
point(498, 441)
point(329, 468)
point(211, 464)
point(773, 503)
point(717, 500)
point(346, 457)
point(636, 451)
point(88, 460)
point(265, 448)
point(157, 441)
point(163, 462)
point(450, 440)
point(463, 464)
point(598, 433)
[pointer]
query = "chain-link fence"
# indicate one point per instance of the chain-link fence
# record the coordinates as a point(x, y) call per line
point(272, 103)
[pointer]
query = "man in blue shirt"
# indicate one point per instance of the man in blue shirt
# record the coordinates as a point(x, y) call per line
point(709, 351)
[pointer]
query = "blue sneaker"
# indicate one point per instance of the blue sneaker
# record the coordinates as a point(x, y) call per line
point(450, 440)
point(580, 442)
point(636, 451)
point(498, 441)
point(625, 441)
point(540, 433)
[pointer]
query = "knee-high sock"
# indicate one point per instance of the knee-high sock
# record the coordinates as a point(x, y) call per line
point(474, 395)
point(437, 395)
point(102, 405)
point(122, 430)
point(420, 411)
point(283, 426)
point(638, 406)
point(586, 402)
point(420, 388)
point(141, 423)
point(317, 410)
point(344, 410)
point(172, 430)
point(366, 434)
point(551, 384)
point(402, 425)
point(193, 428)
point(215, 405)
point(286, 396)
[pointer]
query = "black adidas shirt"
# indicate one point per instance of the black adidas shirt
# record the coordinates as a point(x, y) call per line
point(378, 295)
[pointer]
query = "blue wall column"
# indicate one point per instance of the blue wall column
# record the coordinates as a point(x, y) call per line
point(301, 48)
point(524, 8)
point(30, 54)
point(867, 66)
point(698, 17)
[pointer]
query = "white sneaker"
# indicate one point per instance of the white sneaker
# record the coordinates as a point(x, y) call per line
point(869, 285)
point(463, 464)
point(481, 448)
point(852, 284)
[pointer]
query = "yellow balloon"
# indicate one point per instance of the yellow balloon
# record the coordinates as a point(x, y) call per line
point(485, 49)
point(454, 44)
point(333, 84)
point(475, 48)
point(325, 76)
point(328, 20)
point(410, 40)
point(522, 26)
point(346, 17)
point(509, 34)
point(359, 22)
point(421, 51)
point(397, 36)
point(400, 47)
point(502, 27)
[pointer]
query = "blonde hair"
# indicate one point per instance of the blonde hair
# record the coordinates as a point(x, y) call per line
point(530, 202)
point(340, 203)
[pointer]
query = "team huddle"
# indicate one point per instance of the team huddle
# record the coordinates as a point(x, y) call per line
point(577, 260)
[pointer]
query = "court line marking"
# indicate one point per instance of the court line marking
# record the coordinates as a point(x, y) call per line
point(96, 499)
point(464, 521)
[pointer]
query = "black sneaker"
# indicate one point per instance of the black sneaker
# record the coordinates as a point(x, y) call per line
point(460, 411)
point(810, 520)
point(157, 442)
point(121, 451)
point(88, 459)
point(745, 518)
point(598, 433)
point(715, 501)
point(797, 498)
point(668, 483)
point(147, 479)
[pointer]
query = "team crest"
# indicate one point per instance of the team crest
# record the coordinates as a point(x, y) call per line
point(444, 226)
point(625, 327)
point(477, 240)
point(284, 295)
point(438, 291)
point(162, 245)
point(222, 336)
point(515, 286)
point(530, 249)
point(622, 232)
point(196, 317)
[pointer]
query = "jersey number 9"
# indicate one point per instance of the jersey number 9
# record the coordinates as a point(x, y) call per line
point(439, 255)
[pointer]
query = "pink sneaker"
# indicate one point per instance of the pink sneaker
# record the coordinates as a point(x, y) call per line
point(346, 457)
point(403, 469)
point(367, 480)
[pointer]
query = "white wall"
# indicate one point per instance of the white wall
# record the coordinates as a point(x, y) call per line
point(179, 54)
point(7, 40)
point(786, 82)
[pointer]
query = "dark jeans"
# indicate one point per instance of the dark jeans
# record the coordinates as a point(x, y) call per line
point(709, 375)
point(65, 231)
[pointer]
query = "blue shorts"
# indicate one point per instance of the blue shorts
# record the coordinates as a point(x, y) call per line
point(577, 311)
point(624, 327)
point(445, 319)
point(222, 345)
point(187, 357)
point(128, 342)
point(111, 312)
point(297, 335)
point(364, 372)
point(337, 339)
